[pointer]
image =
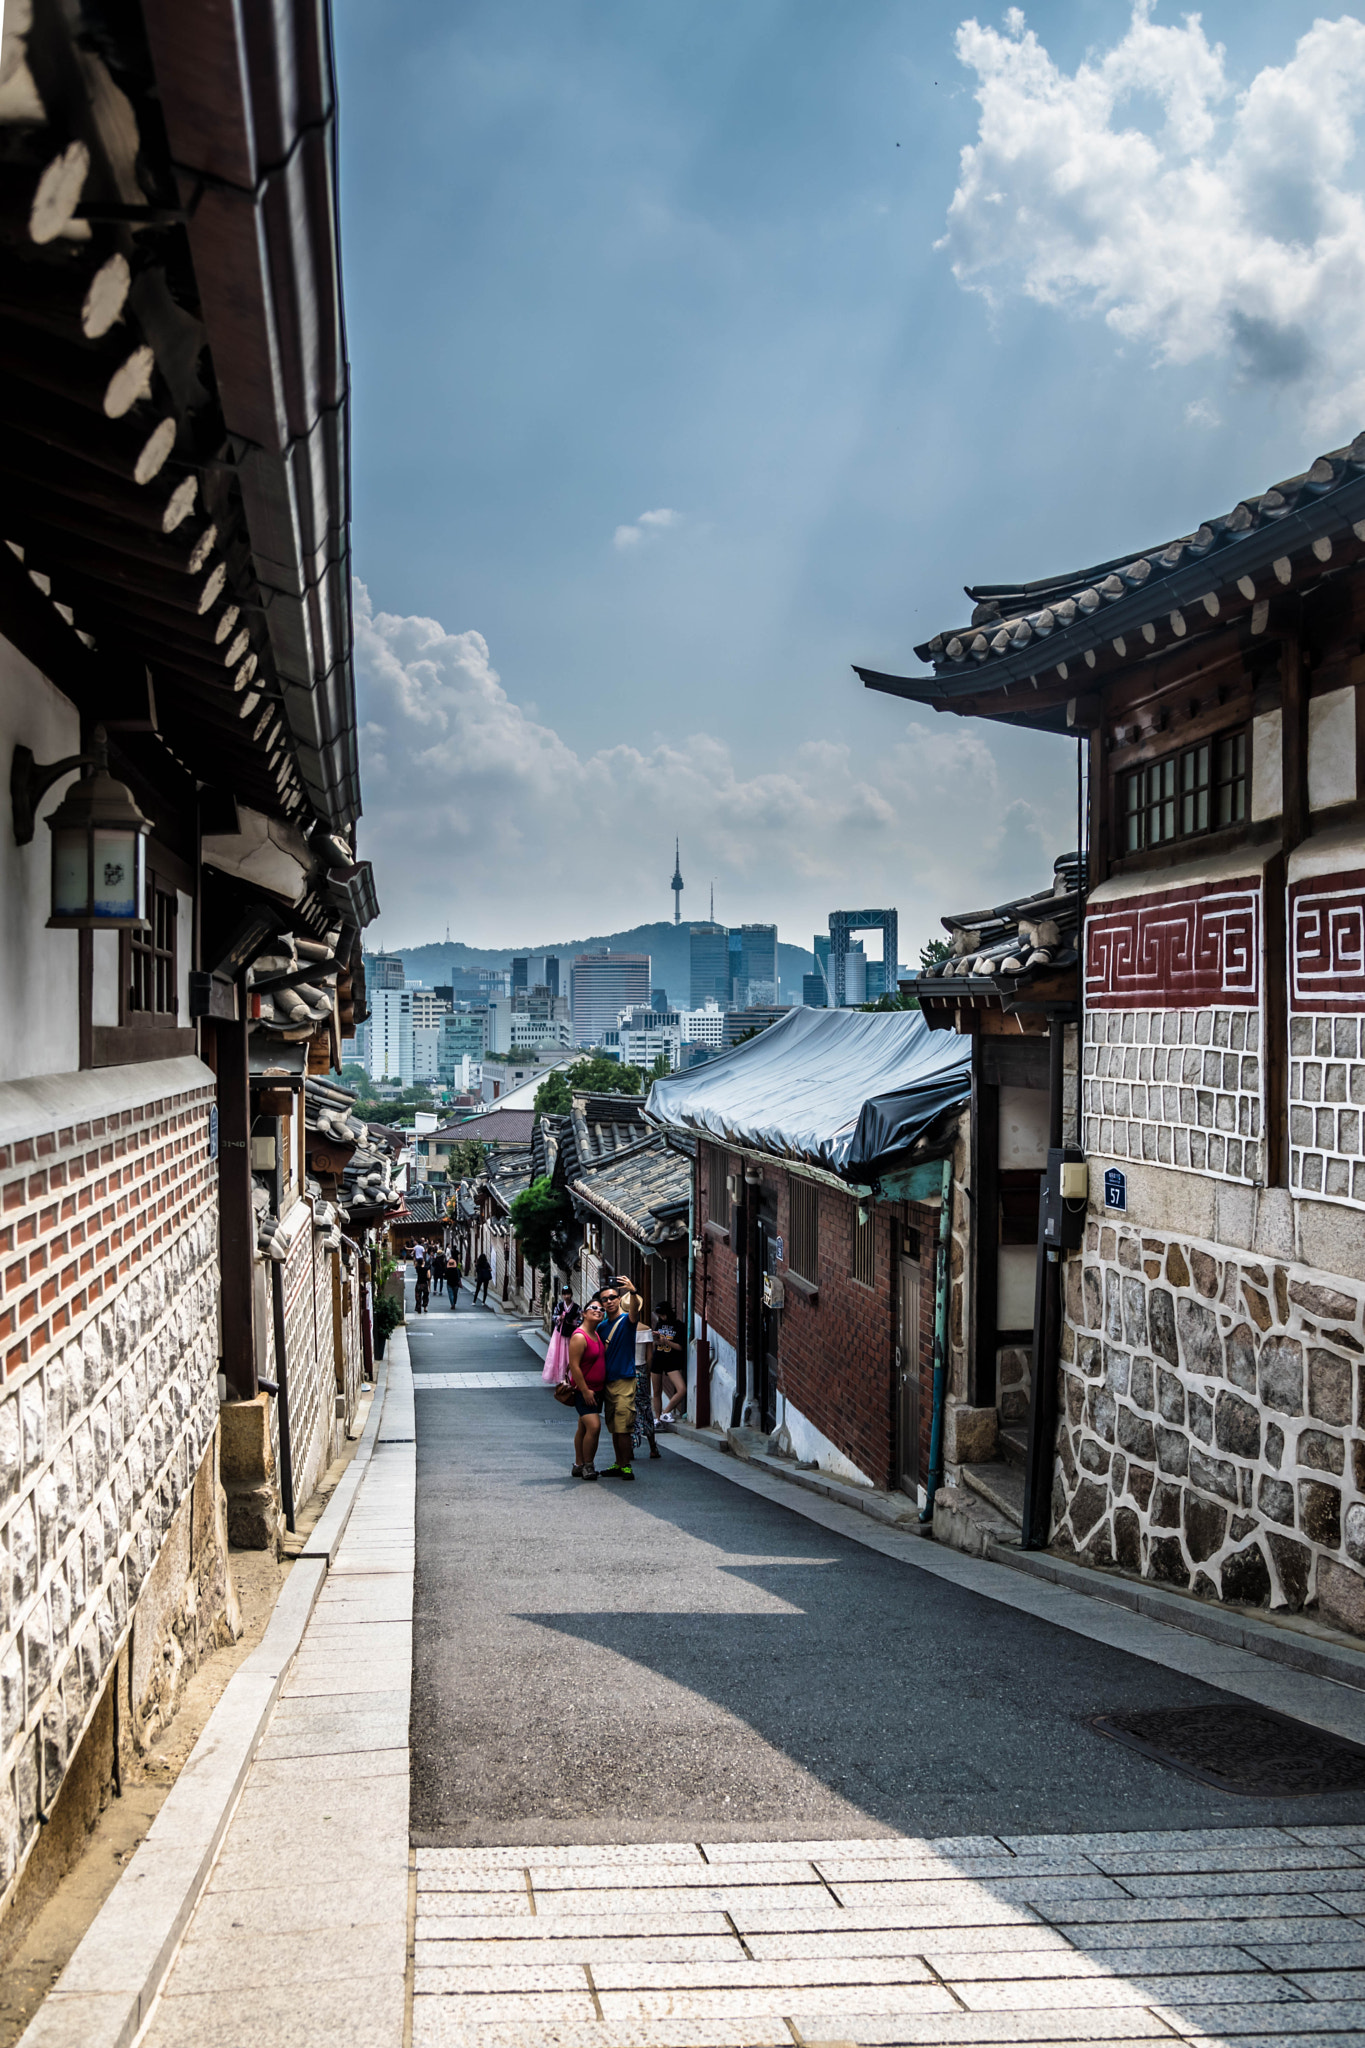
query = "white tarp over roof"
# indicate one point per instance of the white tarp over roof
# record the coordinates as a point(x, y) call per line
point(843, 1089)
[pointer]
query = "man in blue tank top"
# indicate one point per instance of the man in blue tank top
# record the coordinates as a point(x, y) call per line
point(623, 1305)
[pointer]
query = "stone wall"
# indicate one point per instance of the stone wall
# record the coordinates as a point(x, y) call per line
point(1208, 1433)
point(1326, 1098)
point(1176, 1088)
point(323, 1350)
point(107, 1416)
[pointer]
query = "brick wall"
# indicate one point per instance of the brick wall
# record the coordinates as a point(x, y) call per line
point(109, 1317)
point(836, 1354)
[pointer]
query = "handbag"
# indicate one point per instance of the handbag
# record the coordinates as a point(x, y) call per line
point(566, 1392)
point(556, 1367)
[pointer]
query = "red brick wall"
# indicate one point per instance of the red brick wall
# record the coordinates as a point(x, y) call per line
point(837, 1353)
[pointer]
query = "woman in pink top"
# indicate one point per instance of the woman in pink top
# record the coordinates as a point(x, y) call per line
point(588, 1371)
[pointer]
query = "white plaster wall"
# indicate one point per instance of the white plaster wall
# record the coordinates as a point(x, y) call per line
point(184, 954)
point(1015, 1286)
point(1023, 1128)
point(1331, 749)
point(722, 1376)
point(39, 1020)
point(1267, 765)
point(812, 1446)
point(104, 990)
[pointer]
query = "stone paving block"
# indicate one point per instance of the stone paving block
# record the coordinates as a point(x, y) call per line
point(839, 1870)
point(493, 1979)
point(1199, 2022)
point(1335, 1951)
point(756, 1898)
point(532, 2008)
point(1345, 1836)
point(803, 1852)
point(437, 2023)
point(1149, 1839)
point(122, 1951)
point(307, 1907)
point(234, 1960)
point(330, 1731)
point(1329, 1984)
point(489, 1905)
point(365, 2014)
point(772, 2003)
point(984, 1942)
point(956, 1965)
point(352, 1679)
point(471, 1883)
point(569, 1927)
point(1274, 1857)
point(982, 1911)
point(1115, 1937)
point(1339, 1901)
point(501, 1859)
point(744, 1975)
point(1236, 1989)
point(1039, 2029)
point(286, 1775)
point(948, 1891)
point(1237, 1905)
point(642, 1950)
point(77, 2019)
point(550, 1877)
point(1239, 1883)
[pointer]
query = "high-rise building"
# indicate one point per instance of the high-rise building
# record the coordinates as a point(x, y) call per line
point(428, 1008)
point(710, 965)
point(658, 998)
point(391, 1035)
point(383, 970)
point(813, 994)
point(855, 976)
point(521, 972)
point(705, 1026)
point(552, 973)
point(604, 984)
point(461, 1038)
point(649, 1034)
point(842, 924)
point(753, 965)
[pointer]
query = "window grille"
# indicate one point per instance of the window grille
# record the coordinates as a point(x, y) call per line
point(803, 1249)
point(717, 1192)
point(151, 957)
point(1201, 789)
point(864, 1264)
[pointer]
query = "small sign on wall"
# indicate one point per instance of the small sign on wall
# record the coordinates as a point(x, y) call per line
point(1115, 1188)
point(213, 1130)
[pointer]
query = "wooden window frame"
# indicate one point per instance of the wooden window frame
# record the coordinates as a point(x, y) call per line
point(862, 1259)
point(803, 1230)
point(718, 1188)
point(1173, 786)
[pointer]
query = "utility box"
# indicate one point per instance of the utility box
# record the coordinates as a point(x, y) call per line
point(1066, 1189)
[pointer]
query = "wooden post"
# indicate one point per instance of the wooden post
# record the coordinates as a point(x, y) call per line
point(236, 1224)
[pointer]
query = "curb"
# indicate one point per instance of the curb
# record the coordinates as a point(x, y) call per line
point(1295, 1645)
point(104, 1995)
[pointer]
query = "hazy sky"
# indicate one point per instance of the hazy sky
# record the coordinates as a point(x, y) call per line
point(703, 347)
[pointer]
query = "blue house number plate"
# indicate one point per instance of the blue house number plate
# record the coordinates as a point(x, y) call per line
point(1115, 1188)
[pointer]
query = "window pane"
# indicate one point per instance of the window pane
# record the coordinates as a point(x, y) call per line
point(1232, 764)
point(1132, 812)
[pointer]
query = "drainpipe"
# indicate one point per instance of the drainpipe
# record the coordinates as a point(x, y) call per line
point(945, 1231)
point(1042, 1425)
point(742, 1291)
point(281, 1365)
point(689, 1332)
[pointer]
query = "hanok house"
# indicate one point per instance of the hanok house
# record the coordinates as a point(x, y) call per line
point(1210, 1348)
point(632, 1208)
point(180, 948)
point(829, 1167)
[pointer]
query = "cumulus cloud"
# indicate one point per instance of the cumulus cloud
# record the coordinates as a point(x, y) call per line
point(483, 817)
point(1197, 220)
point(646, 527)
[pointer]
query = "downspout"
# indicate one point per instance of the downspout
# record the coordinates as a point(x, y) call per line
point(1042, 1427)
point(945, 1230)
point(689, 1338)
point(281, 1364)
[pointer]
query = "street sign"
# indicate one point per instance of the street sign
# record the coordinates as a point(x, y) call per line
point(213, 1130)
point(1115, 1188)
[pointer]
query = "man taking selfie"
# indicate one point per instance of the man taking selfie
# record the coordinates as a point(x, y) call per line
point(617, 1332)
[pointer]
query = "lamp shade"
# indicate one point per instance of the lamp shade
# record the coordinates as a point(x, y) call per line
point(99, 857)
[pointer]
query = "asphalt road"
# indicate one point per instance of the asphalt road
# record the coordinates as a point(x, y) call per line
point(683, 1659)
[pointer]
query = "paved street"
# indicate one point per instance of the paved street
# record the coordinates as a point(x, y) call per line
point(690, 1768)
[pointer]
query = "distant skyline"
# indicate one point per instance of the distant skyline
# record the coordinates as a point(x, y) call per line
point(698, 354)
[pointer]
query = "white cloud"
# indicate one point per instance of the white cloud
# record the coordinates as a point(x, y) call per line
point(646, 526)
point(479, 815)
point(1199, 221)
point(1199, 413)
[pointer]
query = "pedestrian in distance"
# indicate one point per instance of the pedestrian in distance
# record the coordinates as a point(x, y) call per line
point(483, 1273)
point(588, 1371)
point(622, 1305)
point(668, 1367)
point(453, 1280)
point(643, 1429)
point(421, 1270)
point(562, 1306)
point(438, 1270)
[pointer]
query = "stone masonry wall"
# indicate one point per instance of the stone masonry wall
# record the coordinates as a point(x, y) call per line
point(1209, 1431)
point(1326, 1100)
point(310, 1305)
point(109, 1314)
point(1176, 1088)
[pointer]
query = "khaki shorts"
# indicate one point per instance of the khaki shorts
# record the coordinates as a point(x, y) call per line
point(618, 1406)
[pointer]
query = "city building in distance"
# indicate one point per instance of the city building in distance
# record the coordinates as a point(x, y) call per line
point(604, 984)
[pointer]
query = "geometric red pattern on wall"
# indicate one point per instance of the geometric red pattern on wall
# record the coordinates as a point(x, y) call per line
point(1327, 943)
point(1177, 949)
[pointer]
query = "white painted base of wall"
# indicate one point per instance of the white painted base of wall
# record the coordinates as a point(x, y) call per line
point(809, 1443)
point(722, 1375)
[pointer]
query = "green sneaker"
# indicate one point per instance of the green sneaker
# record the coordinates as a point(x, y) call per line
point(618, 1472)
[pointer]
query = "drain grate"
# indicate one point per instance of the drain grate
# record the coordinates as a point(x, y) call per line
point(1241, 1749)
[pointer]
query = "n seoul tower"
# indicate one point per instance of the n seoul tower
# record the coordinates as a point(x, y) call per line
point(676, 885)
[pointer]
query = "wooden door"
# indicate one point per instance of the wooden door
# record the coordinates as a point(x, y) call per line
point(907, 1378)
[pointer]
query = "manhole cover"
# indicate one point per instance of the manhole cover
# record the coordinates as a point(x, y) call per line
point(1242, 1749)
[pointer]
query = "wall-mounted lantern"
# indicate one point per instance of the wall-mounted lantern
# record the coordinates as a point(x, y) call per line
point(99, 840)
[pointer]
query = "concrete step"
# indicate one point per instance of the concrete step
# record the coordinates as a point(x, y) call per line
point(1013, 1442)
point(1000, 1485)
point(966, 1521)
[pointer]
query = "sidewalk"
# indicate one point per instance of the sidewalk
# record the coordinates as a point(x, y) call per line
point(294, 1805)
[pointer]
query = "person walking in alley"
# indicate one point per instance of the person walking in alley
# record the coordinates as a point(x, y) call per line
point(622, 1305)
point(588, 1371)
point(453, 1279)
point(421, 1275)
point(438, 1269)
point(483, 1273)
point(668, 1367)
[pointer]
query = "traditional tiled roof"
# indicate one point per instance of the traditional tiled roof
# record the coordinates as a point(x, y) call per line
point(644, 1190)
point(1031, 633)
point(367, 1189)
point(495, 1127)
point(509, 1173)
point(1002, 951)
point(600, 1127)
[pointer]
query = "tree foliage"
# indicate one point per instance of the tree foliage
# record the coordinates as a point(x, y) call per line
point(541, 1216)
point(467, 1159)
point(593, 1076)
point(930, 955)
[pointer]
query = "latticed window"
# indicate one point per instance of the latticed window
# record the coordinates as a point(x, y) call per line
point(864, 1261)
point(151, 958)
point(803, 1246)
point(717, 1191)
point(1201, 789)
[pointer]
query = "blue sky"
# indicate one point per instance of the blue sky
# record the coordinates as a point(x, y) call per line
point(609, 260)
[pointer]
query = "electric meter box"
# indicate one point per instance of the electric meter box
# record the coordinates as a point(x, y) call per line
point(1066, 1189)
